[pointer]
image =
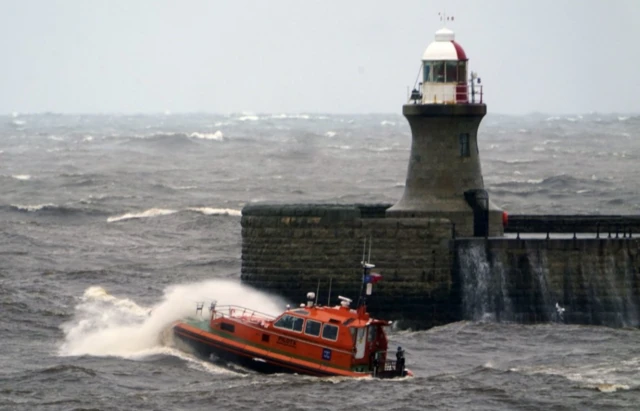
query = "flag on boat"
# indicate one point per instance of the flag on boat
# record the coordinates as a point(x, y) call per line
point(372, 278)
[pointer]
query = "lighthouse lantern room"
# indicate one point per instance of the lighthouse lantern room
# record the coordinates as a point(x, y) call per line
point(444, 73)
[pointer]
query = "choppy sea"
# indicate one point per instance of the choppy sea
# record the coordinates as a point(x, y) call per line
point(114, 226)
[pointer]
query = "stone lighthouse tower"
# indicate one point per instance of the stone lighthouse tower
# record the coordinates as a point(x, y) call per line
point(444, 178)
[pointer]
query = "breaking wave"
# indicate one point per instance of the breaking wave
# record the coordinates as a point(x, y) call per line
point(158, 212)
point(107, 325)
point(152, 212)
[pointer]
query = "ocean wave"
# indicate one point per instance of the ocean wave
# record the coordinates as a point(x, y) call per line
point(159, 212)
point(248, 118)
point(216, 211)
point(152, 212)
point(34, 208)
point(562, 181)
point(217, 136)
point(51, 209)
point(107, 325)
point(175, 137)
point(290, 116)
point(516, 161)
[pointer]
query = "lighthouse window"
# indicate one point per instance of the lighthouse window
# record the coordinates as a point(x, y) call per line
point(464, 145)
point(438, 71)
point(451, 72)
point(330, 332)
point(462, 72)
point(426, 72)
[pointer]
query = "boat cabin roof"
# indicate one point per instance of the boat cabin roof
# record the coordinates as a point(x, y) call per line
point(338, 315)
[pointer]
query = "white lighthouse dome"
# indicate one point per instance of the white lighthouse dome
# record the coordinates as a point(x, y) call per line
point(444, 47)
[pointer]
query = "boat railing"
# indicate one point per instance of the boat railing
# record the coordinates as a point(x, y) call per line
point(390, 366)
point(236, 311)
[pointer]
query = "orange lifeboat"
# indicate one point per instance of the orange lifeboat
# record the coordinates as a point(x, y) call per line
point(310, 339)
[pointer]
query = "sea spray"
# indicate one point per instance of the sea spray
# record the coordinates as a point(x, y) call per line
point(106, 325)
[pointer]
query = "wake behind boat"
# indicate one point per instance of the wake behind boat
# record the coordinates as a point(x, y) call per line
point(310, 339)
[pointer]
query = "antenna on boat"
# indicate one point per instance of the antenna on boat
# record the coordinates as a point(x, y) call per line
point(329, 296)
point(370, 241)
point(317, 293)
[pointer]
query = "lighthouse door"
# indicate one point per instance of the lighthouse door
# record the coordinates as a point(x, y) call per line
point(479, 201)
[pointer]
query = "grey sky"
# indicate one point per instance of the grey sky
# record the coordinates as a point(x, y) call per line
point(355, 56)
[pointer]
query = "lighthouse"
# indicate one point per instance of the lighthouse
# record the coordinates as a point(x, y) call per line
point(444, 177)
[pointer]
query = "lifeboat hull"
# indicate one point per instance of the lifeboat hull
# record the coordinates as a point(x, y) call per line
point(208, 344)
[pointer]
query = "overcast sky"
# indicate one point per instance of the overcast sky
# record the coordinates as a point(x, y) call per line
point(332, 56)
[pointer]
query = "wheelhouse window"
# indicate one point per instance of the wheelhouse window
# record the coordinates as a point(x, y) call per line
point(464, 145)
point(289, 322)
point(312, 328)
point(330, 332)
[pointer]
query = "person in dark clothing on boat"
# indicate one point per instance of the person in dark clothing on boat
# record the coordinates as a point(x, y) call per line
point(400, 361)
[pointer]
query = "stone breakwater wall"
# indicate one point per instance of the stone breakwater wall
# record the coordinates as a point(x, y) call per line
point(432, 278)
point(596, 281)
point(288, 249)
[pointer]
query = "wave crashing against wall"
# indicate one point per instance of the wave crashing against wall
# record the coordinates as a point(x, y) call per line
point(526, 281)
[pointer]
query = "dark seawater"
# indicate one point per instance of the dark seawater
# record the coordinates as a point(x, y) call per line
point(112, 227)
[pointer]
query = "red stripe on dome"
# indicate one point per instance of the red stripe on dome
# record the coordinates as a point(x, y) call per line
point(459, 51)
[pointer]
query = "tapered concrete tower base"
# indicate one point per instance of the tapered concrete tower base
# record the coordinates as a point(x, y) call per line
point(444, 179)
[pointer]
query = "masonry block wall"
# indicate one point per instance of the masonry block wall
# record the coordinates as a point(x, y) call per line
point(288, 249)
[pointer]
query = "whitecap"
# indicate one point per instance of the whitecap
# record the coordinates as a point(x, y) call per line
point(152, 212)
point(535, 181)
point(249, 118)
point(518, 161)
point(55, 138)
point(18, 122)
point(611, 387)
point(22, 177)
point(290, 116)
point(88, 138)
point(217, 136)
point(32, 208)
point(216, 211)
point(182, 187)
point(330, 134)
point(623, 118)
point(538, 149)
point(387, 123)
